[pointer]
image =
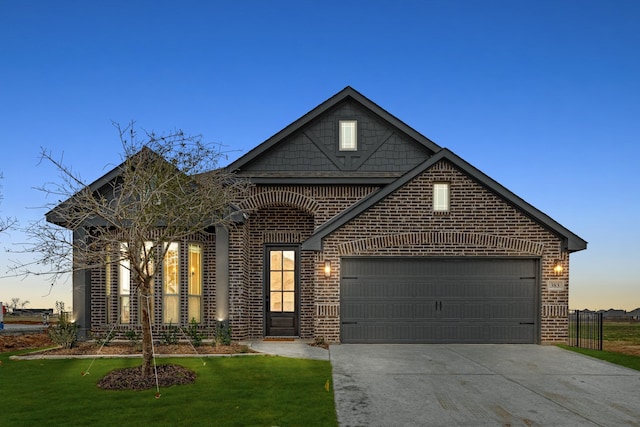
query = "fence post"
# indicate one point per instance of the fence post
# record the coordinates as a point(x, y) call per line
point(600, 317)
point(578, 328)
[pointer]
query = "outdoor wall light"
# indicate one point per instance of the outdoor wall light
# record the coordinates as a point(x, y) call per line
point(557, 267)
point(327, 268)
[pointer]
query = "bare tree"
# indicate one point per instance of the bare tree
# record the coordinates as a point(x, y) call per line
point(17, 302)
point(168, 188)
point(8, 222)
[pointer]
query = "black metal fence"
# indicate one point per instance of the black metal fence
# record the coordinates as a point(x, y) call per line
point(585, 329)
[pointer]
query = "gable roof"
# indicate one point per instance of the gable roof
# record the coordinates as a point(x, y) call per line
point(53, 215)
point(571, 241)
point(346, 93)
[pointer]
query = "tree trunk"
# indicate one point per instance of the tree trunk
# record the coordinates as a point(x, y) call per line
point(147, 348)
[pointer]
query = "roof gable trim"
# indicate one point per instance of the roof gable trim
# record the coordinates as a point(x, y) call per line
point(347, 92)
point(571, 241)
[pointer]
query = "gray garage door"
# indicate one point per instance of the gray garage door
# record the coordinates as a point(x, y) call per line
point(439, 300)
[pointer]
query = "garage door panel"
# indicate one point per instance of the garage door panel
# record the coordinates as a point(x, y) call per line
point(365, 333)
point(512, 334)
point(424, 310)
point(474, 311)
point(522, 290)
point(430, 300)
point(511, 310)
point(402, 310)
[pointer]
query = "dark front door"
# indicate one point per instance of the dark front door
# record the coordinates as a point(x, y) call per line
point(281, 293)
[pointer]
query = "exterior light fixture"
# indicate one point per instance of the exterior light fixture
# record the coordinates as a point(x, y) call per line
point(557, 267)
point(327, 268)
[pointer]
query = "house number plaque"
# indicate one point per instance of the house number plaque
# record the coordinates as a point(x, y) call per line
point(555, 286)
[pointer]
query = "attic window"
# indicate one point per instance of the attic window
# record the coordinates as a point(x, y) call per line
point(441, 197)
point(348, 135)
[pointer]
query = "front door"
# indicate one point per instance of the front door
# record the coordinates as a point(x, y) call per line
point(281, 293)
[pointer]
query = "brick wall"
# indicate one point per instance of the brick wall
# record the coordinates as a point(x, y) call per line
point(478, 224)
point(279, 215)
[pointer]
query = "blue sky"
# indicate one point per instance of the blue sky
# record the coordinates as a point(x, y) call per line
point(543, 96)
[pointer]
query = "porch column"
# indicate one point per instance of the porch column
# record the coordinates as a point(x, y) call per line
point(222, 274)
point(81, 304)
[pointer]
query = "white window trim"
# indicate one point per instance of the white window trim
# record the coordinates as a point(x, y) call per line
point(124, 286)
point(167, 316)
point(195, 274)
point(348, 127)
point(441, 197)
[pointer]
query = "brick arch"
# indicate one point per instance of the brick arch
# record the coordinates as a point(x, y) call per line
point(425, 238)
point(280, 198)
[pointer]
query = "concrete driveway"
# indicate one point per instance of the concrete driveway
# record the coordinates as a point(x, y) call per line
point(480, 385)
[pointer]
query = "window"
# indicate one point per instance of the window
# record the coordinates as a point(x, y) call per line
point(282, 280)
point(195, 283)
point(107, 282)
point(124, 285)
point(348, 135)
point(171, 284)
point(441, 197)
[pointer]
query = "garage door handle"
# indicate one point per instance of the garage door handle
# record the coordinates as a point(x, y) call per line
point(349, 323)
point(527, 323)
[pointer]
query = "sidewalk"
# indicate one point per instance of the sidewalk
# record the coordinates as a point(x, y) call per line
point(296, 348)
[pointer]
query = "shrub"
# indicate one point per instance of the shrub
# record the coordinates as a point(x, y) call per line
point(170, 336)
point(65, 333)
point(104, 340)
point(194, 335)
point(223, 334)
point(133, 336)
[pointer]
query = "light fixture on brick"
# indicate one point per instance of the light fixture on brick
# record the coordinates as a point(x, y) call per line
point(327, 268)
point(557, 267)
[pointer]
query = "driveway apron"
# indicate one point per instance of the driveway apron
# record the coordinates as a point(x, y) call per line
point(480, 385)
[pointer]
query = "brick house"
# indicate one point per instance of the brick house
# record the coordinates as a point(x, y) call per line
point(359, 229)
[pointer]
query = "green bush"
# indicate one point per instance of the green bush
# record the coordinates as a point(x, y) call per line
point(194, 335)
point(104, 340)
point(65, 333)
point(133, 336)
point(170, 336)
point(223, 334)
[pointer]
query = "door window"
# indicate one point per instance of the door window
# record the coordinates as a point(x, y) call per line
point(282, 280)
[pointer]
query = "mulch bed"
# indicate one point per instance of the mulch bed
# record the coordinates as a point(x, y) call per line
point(21, 342)
point(132, 378)
point(127, 378)
point(91, 348)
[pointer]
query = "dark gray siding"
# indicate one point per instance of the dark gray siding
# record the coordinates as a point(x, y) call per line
point(382, 148)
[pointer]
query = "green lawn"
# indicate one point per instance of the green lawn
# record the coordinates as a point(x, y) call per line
point(237, 391)
point(626, 332)
point(621, 331)
point(621, 359)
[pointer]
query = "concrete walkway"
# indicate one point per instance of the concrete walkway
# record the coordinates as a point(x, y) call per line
point(297, 348)
point(480, 385)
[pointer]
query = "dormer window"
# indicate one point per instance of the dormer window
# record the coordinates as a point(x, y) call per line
point(348, 135)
